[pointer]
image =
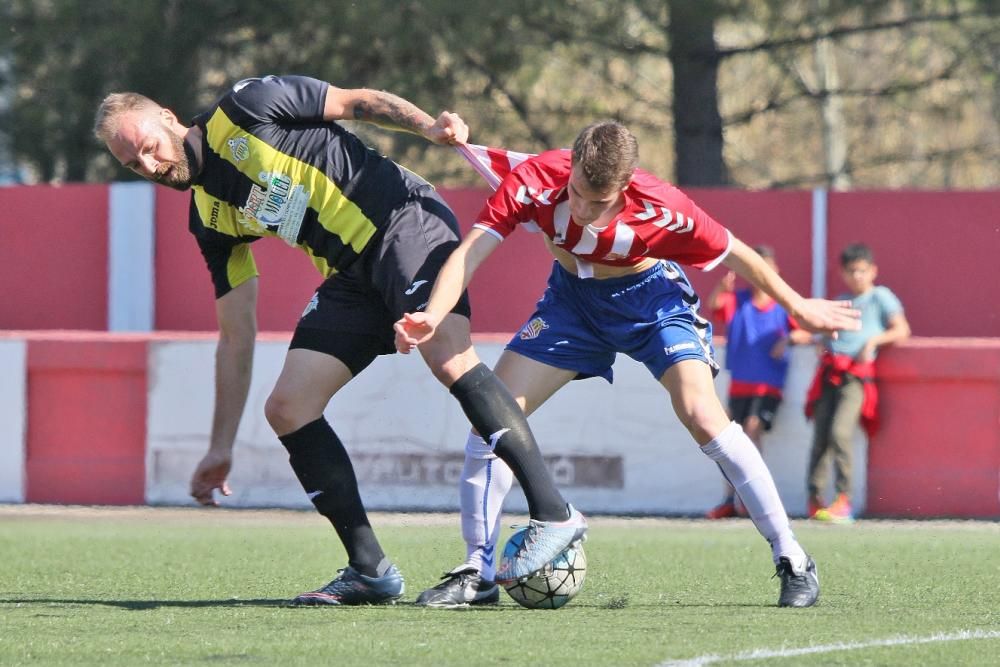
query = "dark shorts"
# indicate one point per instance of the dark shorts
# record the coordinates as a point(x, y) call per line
point(351, 314)
point(762, 407)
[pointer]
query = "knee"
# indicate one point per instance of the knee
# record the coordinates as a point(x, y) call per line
point(447, 371)
point(447, 365)
point(703, 418)
point(842, 433)
point(281, 413)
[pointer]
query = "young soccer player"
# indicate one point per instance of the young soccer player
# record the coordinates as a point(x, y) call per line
point(618, 234)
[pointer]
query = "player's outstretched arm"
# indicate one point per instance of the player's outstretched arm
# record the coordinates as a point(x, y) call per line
point(394, 113)
point(236, 312)
point(815, 315)
point(415, 328)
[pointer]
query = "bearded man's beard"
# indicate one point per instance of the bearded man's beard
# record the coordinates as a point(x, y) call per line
point(177, 174)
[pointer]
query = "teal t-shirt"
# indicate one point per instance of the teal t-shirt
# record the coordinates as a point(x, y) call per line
point(878, 305)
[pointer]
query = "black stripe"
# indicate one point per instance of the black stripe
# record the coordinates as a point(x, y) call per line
point(375, 184)
point(222, 180)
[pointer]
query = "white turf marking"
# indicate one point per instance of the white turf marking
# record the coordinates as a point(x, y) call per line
point(763, 653)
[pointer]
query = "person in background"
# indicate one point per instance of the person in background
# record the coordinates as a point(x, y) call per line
point(758, 333)
point(843, 391)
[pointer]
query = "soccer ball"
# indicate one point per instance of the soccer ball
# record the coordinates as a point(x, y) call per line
point(555, 584)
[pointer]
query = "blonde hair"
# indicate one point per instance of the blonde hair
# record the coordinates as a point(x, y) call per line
point(607, 153)
point(113, 107)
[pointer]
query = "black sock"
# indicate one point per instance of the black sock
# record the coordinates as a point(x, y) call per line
point(492, 411)
point(323, 467)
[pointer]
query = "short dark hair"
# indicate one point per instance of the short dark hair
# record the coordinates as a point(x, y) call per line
point(856, 252)
point(607, 153)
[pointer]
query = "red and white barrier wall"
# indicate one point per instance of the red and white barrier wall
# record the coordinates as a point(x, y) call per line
point(123, 419)
point(98, 417)
point(120, 258)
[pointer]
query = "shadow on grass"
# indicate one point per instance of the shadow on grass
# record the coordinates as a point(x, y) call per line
point(141, 605)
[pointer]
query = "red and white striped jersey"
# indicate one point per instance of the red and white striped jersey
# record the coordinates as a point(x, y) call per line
point(657, 220)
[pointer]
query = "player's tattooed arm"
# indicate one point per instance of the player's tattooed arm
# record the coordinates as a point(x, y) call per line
point(376, 106)
point(394, 113)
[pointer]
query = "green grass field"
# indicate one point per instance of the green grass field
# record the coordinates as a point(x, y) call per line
point(166, 587)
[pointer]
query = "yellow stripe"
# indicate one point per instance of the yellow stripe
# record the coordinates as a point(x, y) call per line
point(219, 215)
point(337, 214)
point(241, 266)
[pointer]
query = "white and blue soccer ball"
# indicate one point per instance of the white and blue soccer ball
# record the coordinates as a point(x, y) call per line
point(552, 586)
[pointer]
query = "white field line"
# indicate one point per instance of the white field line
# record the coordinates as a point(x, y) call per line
point(763, 654)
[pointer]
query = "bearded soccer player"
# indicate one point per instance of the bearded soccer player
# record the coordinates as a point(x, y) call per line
point(269, 160)
point(618, 235)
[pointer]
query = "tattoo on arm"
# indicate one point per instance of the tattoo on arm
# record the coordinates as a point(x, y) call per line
point(392, 112)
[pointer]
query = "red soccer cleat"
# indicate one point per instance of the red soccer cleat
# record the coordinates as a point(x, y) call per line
point(723, 510)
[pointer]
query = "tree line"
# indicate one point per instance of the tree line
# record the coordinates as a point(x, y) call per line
point(741, 93)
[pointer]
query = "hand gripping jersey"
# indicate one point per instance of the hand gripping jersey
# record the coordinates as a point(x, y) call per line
point(657, 219)
point(273, 167)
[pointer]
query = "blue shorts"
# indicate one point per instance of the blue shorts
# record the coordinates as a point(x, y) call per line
point(581, 323)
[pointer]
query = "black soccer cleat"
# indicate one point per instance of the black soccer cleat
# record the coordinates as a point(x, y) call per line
point(460, 588)
point(798, 589)
point(353, 588)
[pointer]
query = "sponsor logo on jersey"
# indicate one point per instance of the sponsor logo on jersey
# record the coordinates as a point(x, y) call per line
point(213, 218)
point(279, 208)
point(240, 148)
point(533, 329)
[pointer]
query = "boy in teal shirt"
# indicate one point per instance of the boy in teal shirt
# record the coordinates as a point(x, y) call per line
point(843, 391)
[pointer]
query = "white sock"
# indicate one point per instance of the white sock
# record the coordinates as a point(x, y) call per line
point(743, 466)
point(486, 480)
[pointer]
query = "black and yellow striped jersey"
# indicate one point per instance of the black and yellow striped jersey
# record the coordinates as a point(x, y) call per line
point(273, 167)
